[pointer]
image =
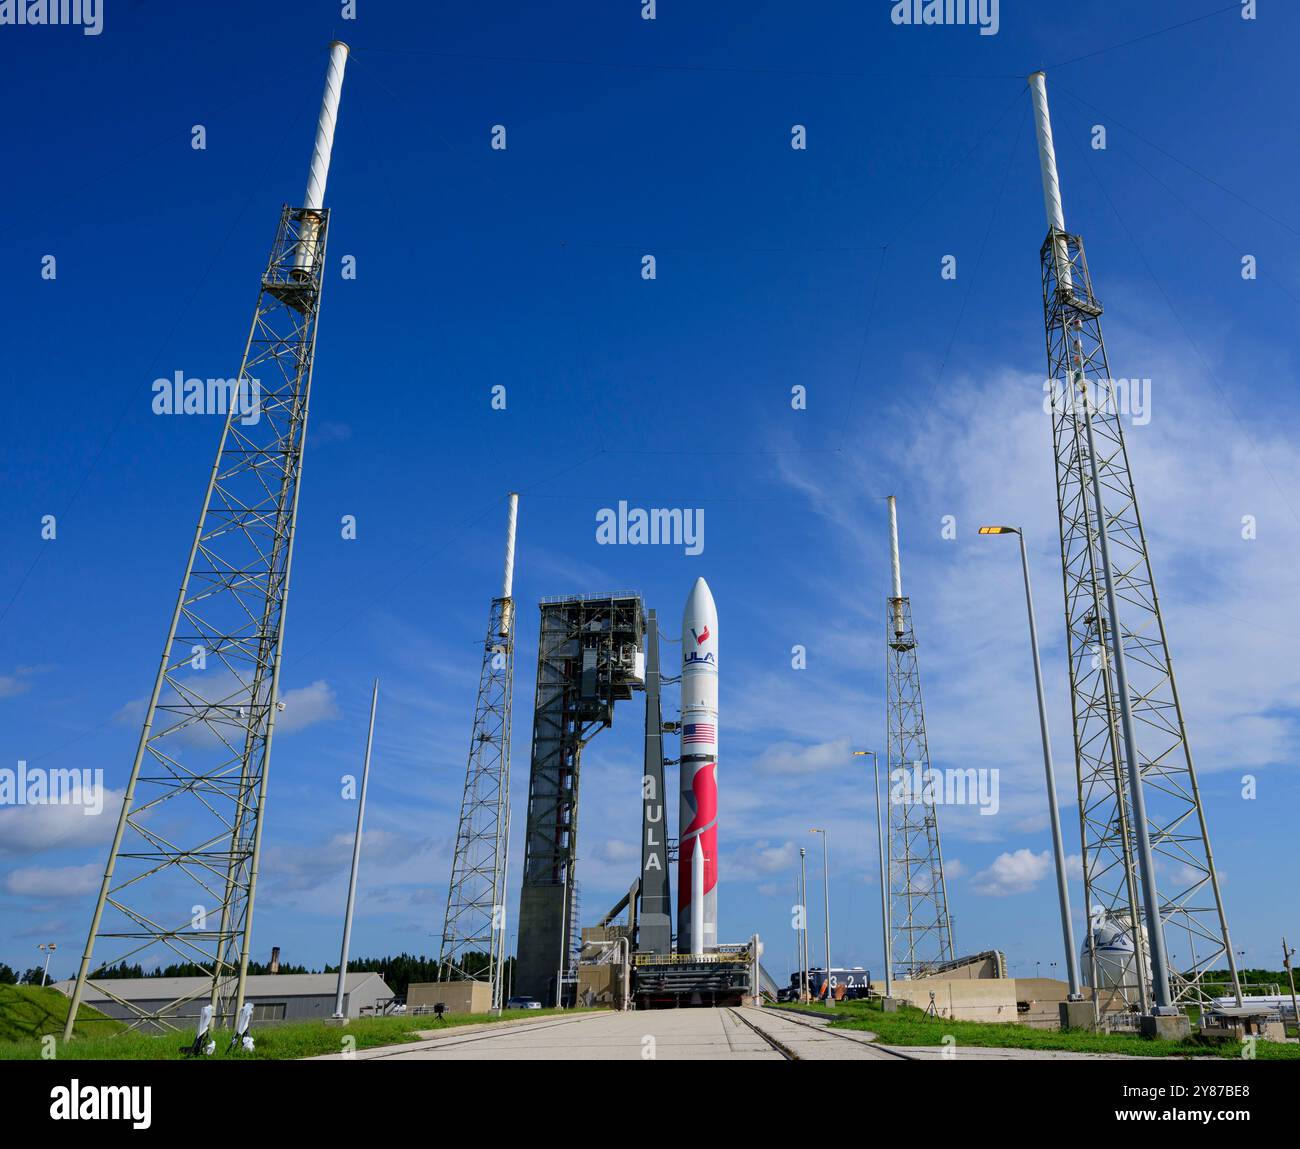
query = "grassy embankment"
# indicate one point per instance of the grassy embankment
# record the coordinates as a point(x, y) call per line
point(28, 1013)
point(911, 1026)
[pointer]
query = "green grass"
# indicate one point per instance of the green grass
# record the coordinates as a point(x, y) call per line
point(273, 1042)
point(911, 1026)
point(28, 1011)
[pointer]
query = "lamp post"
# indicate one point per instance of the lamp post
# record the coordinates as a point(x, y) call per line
point(48, 948)
point(803, 943)
point(884, 877)
point(1058, 849)
point(826, 894)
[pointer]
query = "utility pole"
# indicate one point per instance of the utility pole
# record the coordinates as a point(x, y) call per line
point(884, 874)
point(356, 858)
point(1053, 809)
point(803, 937)
point(826, 895)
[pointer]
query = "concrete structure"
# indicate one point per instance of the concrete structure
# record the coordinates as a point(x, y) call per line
point(1031, 1001)
point(176, 1001)
point(1239, 1022)
point(457, 996)
point(600, 985)
point(989, 964)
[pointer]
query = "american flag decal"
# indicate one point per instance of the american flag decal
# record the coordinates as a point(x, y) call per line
point(699, 732)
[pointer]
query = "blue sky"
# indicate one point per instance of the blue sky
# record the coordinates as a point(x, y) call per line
point(775, 267)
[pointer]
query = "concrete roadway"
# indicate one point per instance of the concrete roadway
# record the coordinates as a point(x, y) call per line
point(655, 1035)
point(674, 1035)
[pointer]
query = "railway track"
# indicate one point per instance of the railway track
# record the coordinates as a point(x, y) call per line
point(782, 1045)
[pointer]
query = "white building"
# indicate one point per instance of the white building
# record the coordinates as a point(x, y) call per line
point(275, 996)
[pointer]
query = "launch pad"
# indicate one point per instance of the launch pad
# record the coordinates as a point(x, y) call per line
point(669, 981)
point(595, 651)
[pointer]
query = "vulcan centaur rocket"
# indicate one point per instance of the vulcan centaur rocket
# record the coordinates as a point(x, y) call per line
point(697, 854)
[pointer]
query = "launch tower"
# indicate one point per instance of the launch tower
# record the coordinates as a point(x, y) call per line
point(922, 929)
point(181, 875)
point(1139, 804)
point(474, 928)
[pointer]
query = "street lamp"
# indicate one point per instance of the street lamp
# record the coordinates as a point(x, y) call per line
point(884, 878)
point(803, 905)
point(826, 894)
point(1058, 849)
point(48, 948)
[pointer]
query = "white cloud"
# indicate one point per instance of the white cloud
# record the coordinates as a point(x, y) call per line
point(612, 852)
point(54, 881)
point(761, 858)
point(306, 706)
point(31, 829)
point(12, 685)
point(1015, 873)
point(303, 707)
point(793, 758)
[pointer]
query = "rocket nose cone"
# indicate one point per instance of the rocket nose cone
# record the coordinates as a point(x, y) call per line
point(700, 628)
point(699, 602)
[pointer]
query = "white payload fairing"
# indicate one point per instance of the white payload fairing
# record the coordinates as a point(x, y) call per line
point(697, 854)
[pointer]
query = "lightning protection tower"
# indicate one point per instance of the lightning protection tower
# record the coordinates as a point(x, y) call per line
point(1139, 806)
point(922, 929)
point(182, 872)
point(474, 929)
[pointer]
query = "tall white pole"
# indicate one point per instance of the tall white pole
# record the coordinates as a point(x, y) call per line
point(884, 881)
point(508, 575)
point(356, 857)
point(803, 937)
point(1058, 847)
point(322, 149)
point(896, 568)
point(826, 893)
point(1051, 183)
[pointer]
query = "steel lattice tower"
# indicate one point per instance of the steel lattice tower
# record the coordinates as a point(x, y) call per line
point(182, 872)
point(919, 921)
point(1117, 883)
point(474, 928)
point(587, 655)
